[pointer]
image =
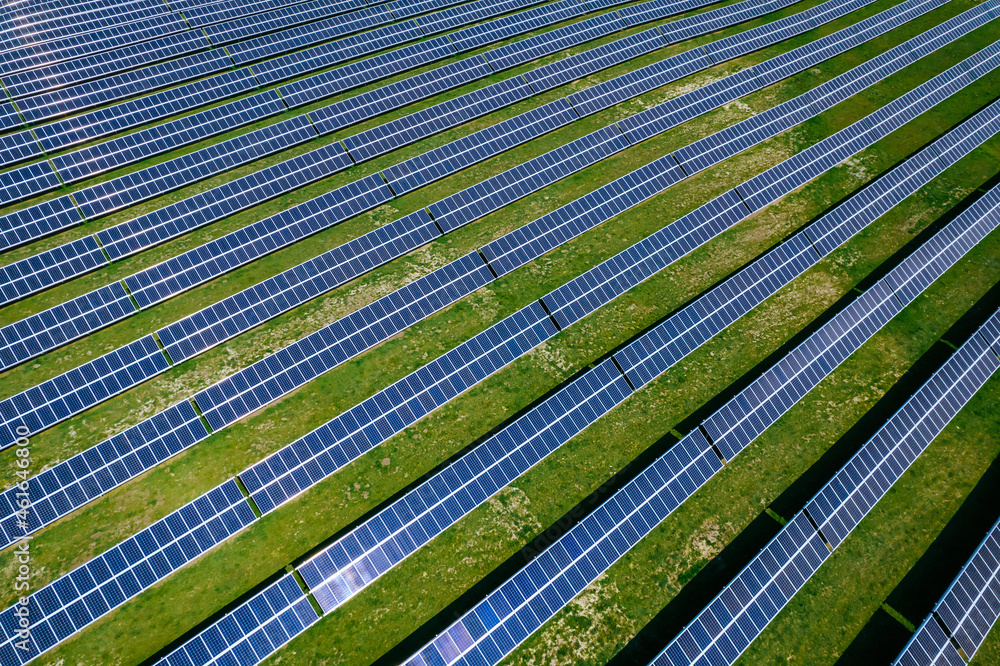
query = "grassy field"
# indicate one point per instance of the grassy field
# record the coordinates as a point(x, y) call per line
point(423, 593)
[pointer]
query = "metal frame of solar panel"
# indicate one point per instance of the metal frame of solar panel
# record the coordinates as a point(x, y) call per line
point(930, 646)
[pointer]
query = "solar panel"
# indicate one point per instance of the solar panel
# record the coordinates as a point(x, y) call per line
point(92, 160)
point(78, 46)
point(593, 60)
point(297, 466)
point(127, 190)
point(531, 241)
point(9, 117)
point(58, 325)
point(265, 300)
point(724, 629)
point(380, 542)
point(34, 81)
point(971, 606)
point(48, 268)
point(120, 86)
point(72, 392)
point(27, 181)
point(298, 37)
point(930, 647)
point(376, 102)
point(121, 117)
point(410, 128)
point(256, 240)
point(332, 53)
point(229, 29)
point(47, 32)
point(493, 193)
point(219, 202)
point(270, 378)
point(65, 606)
point(473, 148)
point(37, 221)
point(588, 292)
point(18, 147)
point(526, 600)
point(251, 632)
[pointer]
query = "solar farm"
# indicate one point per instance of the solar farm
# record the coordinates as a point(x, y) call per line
point(448, 333)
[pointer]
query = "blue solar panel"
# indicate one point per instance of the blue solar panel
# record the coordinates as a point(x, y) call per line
point(18, 147)
point(219, 202)
point(332, 53)
point(556, 40)
point(724, 629)
point(396, 531)
point(72, 392)
point(34, 81)
point(469, 13)
point(526, 600)
point(493, 31)
point(296, 38)
point(420, 124)
point(270, 378)
point(91, 591)
point(27, 181)
point(535, 239)
point(111, 195)
point(456, 155)
point(229, 29)
point(355, 74)
point(376, 102)
point(67, 321)
point(930, 646)
point(120, 86)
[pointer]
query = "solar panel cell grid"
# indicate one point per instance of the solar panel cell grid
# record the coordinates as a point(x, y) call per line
point(120, 86)
point(27, 181)
point(34, 81)
point(227, 29)
point(37, 221)
point(137, 186)
point(72, 392)
point(120, 117)
point(415, 126)
point(450, 158)
point(244, 245)
point(18, 147)
point(471, 12)
point(222, 201)
point(930, 647)
point(475, 36)
point(547, 43)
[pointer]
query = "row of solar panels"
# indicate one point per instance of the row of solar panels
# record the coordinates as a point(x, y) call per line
point(538, 591)
point(50, 328)
point(529, 322)
point(518, 607)
point(969, 608)
point(276, 375)
point(171, 339)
